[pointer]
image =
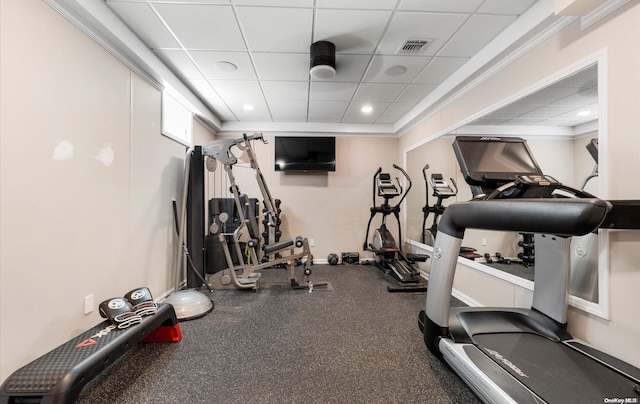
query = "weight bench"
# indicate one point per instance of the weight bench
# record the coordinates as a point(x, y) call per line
point(59, 375)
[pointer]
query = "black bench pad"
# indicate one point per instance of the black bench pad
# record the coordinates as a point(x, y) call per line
point(280, 245)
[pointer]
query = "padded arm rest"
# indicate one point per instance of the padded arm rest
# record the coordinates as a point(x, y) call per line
point(275, 247)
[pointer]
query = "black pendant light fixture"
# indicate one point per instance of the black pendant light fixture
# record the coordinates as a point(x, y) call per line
point(323, 60)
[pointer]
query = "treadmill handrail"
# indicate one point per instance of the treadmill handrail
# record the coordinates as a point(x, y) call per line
point(561, 216)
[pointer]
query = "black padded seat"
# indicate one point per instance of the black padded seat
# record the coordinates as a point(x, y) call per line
point(275, 247)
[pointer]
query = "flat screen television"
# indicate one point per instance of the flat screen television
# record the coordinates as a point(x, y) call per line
point(296, 153)
point(489, 162)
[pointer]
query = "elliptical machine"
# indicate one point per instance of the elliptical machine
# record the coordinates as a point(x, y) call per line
point(389, 256)
point(441, 190)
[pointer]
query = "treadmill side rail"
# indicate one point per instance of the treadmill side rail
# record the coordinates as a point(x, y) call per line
point(487, 379)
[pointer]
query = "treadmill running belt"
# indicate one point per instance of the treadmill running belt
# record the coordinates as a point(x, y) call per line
point(555, 372)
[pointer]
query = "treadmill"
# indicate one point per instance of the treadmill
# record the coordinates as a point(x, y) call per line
point(517, 355)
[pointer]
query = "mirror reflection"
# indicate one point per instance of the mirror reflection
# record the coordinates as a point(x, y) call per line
point(560, 125)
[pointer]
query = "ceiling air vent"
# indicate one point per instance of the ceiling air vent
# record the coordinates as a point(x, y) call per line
point(413, 47)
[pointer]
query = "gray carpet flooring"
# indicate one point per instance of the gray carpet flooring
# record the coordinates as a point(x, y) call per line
point(354, 343)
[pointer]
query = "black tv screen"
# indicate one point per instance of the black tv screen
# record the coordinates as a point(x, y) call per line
point(305, 154)
point(484, 159)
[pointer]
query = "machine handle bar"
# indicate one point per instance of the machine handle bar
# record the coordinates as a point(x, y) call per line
point(406, 176)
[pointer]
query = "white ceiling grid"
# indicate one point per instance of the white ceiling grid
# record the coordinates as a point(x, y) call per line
point(234, 53)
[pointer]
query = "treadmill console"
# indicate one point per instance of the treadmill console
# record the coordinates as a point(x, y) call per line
point(489, 162)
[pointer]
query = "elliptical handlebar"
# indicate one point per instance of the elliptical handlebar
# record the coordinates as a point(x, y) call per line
point(406, 176)
point(373, 193)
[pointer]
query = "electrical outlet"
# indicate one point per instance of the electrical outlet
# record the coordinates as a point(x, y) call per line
point(484, 241)
point(88, 304)
point(312, 242)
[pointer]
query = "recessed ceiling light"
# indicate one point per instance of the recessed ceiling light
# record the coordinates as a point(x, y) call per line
point(366, 109)
point(247, 107)
point(397, 70)
point(226, 67)
point(586, 112)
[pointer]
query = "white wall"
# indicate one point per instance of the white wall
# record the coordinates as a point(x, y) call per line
point(97, 220)
point(621, 334)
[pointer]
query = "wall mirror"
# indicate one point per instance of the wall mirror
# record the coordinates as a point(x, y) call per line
point(558, 117)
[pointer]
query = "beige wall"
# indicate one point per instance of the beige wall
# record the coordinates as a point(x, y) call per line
point(97, 220)
point(618, 336)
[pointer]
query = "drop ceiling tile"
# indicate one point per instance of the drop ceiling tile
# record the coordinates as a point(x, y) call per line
point(218, 65)
point(331, 91)
point(293, 32)
point(440, 69)
point(275, 3)
point(583, 79)
point(289, 118)
point(206, 92)
point(507, 7)
point(179, 63)
point(355, 4)
point(202, 26)
point(475, 34)
point(395, 111)
point(447, 6)
point(379, 72)
point(549, 95)
point(489, 121)
point(572, 114)
point(204, 89)
point(435, 27)
point(285, 90)
point(560, 122)
point(252, 117)
point(511, 110)
point(350, 68)
point(522, 122)
point(260, 111)
point(544, 112)
point(282, 66)
point(355, 115)
point(320, 118)
point(584, 97)
point(352, 31)
point(318, 108)
point(235, 91)
point(378, 92)
point(414, 93)
point(141, 19)
point(189, 1)
point(292, 107)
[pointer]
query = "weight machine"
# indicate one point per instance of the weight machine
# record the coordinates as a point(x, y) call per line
point(243, 247)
